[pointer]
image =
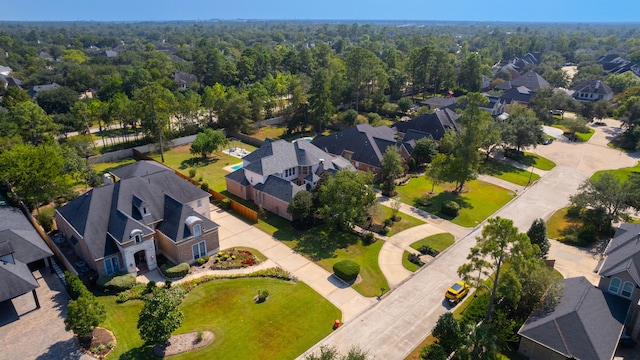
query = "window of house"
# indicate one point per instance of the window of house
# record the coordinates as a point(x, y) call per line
point(627, 289)
point(111, 265)
point(199, 203)
point(197, 230)
point(144, 210)
point(137, 238)
point(199, 250)
point(614, 285)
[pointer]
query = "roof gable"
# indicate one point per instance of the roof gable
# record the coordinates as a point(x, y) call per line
point(585, 324)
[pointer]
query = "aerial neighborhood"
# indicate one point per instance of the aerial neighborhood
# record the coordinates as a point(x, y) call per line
point(319, 190)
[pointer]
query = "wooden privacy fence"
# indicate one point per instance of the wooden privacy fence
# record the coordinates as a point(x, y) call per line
point(242, 210)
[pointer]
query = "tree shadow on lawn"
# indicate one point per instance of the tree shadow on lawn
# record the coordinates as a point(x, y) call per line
point(322, 242)
point(435, 203)
point(493, 167)
point(143, 352)
point(197, 162)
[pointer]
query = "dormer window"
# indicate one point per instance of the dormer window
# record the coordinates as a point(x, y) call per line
point(136, 236)
point(144, 210)
point(197, 230)
point(194, 224)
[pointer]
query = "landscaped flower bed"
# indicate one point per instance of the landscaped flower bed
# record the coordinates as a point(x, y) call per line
point(233, 259)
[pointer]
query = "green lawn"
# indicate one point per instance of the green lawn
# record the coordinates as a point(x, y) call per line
point(559, 222)
point(293, 319)
point(584, 137)
point(437, 242)
point(408, 264)
point(621, 174)
point(477, 201)
point(102, 168)
point(531, 159)
point(407, 221)
point(210, 170)
point(507, 172)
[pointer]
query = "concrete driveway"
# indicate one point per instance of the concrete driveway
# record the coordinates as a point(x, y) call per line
point(405, 316)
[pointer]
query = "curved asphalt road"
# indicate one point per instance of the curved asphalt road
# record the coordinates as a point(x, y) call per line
point(393, 327)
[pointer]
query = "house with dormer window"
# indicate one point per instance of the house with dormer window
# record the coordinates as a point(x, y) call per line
point(143, 210)
point(588, 321)
point(271, 175)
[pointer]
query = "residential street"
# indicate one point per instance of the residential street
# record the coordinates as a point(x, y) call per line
point(394, 326)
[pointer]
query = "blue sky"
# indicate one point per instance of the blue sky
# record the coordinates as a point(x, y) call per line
point(585, 11)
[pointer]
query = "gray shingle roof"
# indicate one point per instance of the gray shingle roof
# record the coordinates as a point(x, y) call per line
point(531, 80)
point(586, 323)
point(436, 123)
point(273, 157)
point(593, 87)
point(623, 253)
point(109, 214)
point(18, 231)
point(140, 168)
point(367, 143)
point(15, 280)
point(279, 188)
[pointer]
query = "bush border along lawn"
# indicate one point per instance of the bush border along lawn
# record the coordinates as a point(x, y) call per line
point(408, 264)
point(477, 202)
point(281, 327)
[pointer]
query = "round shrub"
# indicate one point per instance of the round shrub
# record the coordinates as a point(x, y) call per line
point(225, 204)
point(346, 270)
point(205, 187)
point(450, 208)
point(117, 282)
point(176, 271)
point(192, 173)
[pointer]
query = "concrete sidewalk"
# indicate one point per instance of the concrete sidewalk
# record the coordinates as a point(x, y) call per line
point(236, 232)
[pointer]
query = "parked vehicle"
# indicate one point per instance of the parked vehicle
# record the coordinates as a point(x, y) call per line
point(457, 292)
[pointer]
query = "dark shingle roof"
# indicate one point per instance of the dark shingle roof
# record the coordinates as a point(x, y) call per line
point(279, 188)
point(438, 102)
point(367, 143)
point(109, 214)
point(593, 87)
point(15, 279)
point(623, 253)
point(239, 177)
point(140, 168)
point(184, 78)
point(520, 94)
point(585, 324)
point(18, 231)
point(436, 123)
point(531, 80)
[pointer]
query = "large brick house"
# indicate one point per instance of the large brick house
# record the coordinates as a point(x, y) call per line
point(144, 209)
point(588, 321)
point(271, 175)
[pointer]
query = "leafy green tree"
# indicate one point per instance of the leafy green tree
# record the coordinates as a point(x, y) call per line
point(83, 314)
point(433, 352)
point(419, 66)
point(213, 99)
point(158, 105)
point(448, 333)
point(522, 128)
point(392, 168)
point(621, 82)
point(604, 193)
point(480, 344)
point(208, 142)
point(13, 95)
point(57, 101)
point(497, 243)
point(301, 206)
point(405, 104)
point(74, 56)
point(34, 124)
point(320, 105)
point(35, 173)
point(235, 114)
point(537, 234)
point(363, 70)
point(470, 76)
point(160, 316)
point(346, 197)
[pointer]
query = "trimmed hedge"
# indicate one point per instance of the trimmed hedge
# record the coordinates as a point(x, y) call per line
point(175, 271)
point(450, 208)
point(75, 286)
point(116, 282)
point(346, 270)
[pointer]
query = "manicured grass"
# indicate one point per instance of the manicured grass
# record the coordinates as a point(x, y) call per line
point(271, 132)
point(210, 170)
point(538, 161)
point(558, 222)
point(621, 174)
point(367, 258)
point(438, 242)
point(407, 221)
point(293, 319)
point(102, 168)
point(584, 137)
point(477, 201)
point(408, 264)
point(507, 172)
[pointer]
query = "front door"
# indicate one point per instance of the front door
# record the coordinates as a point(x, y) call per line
point(141, 261)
